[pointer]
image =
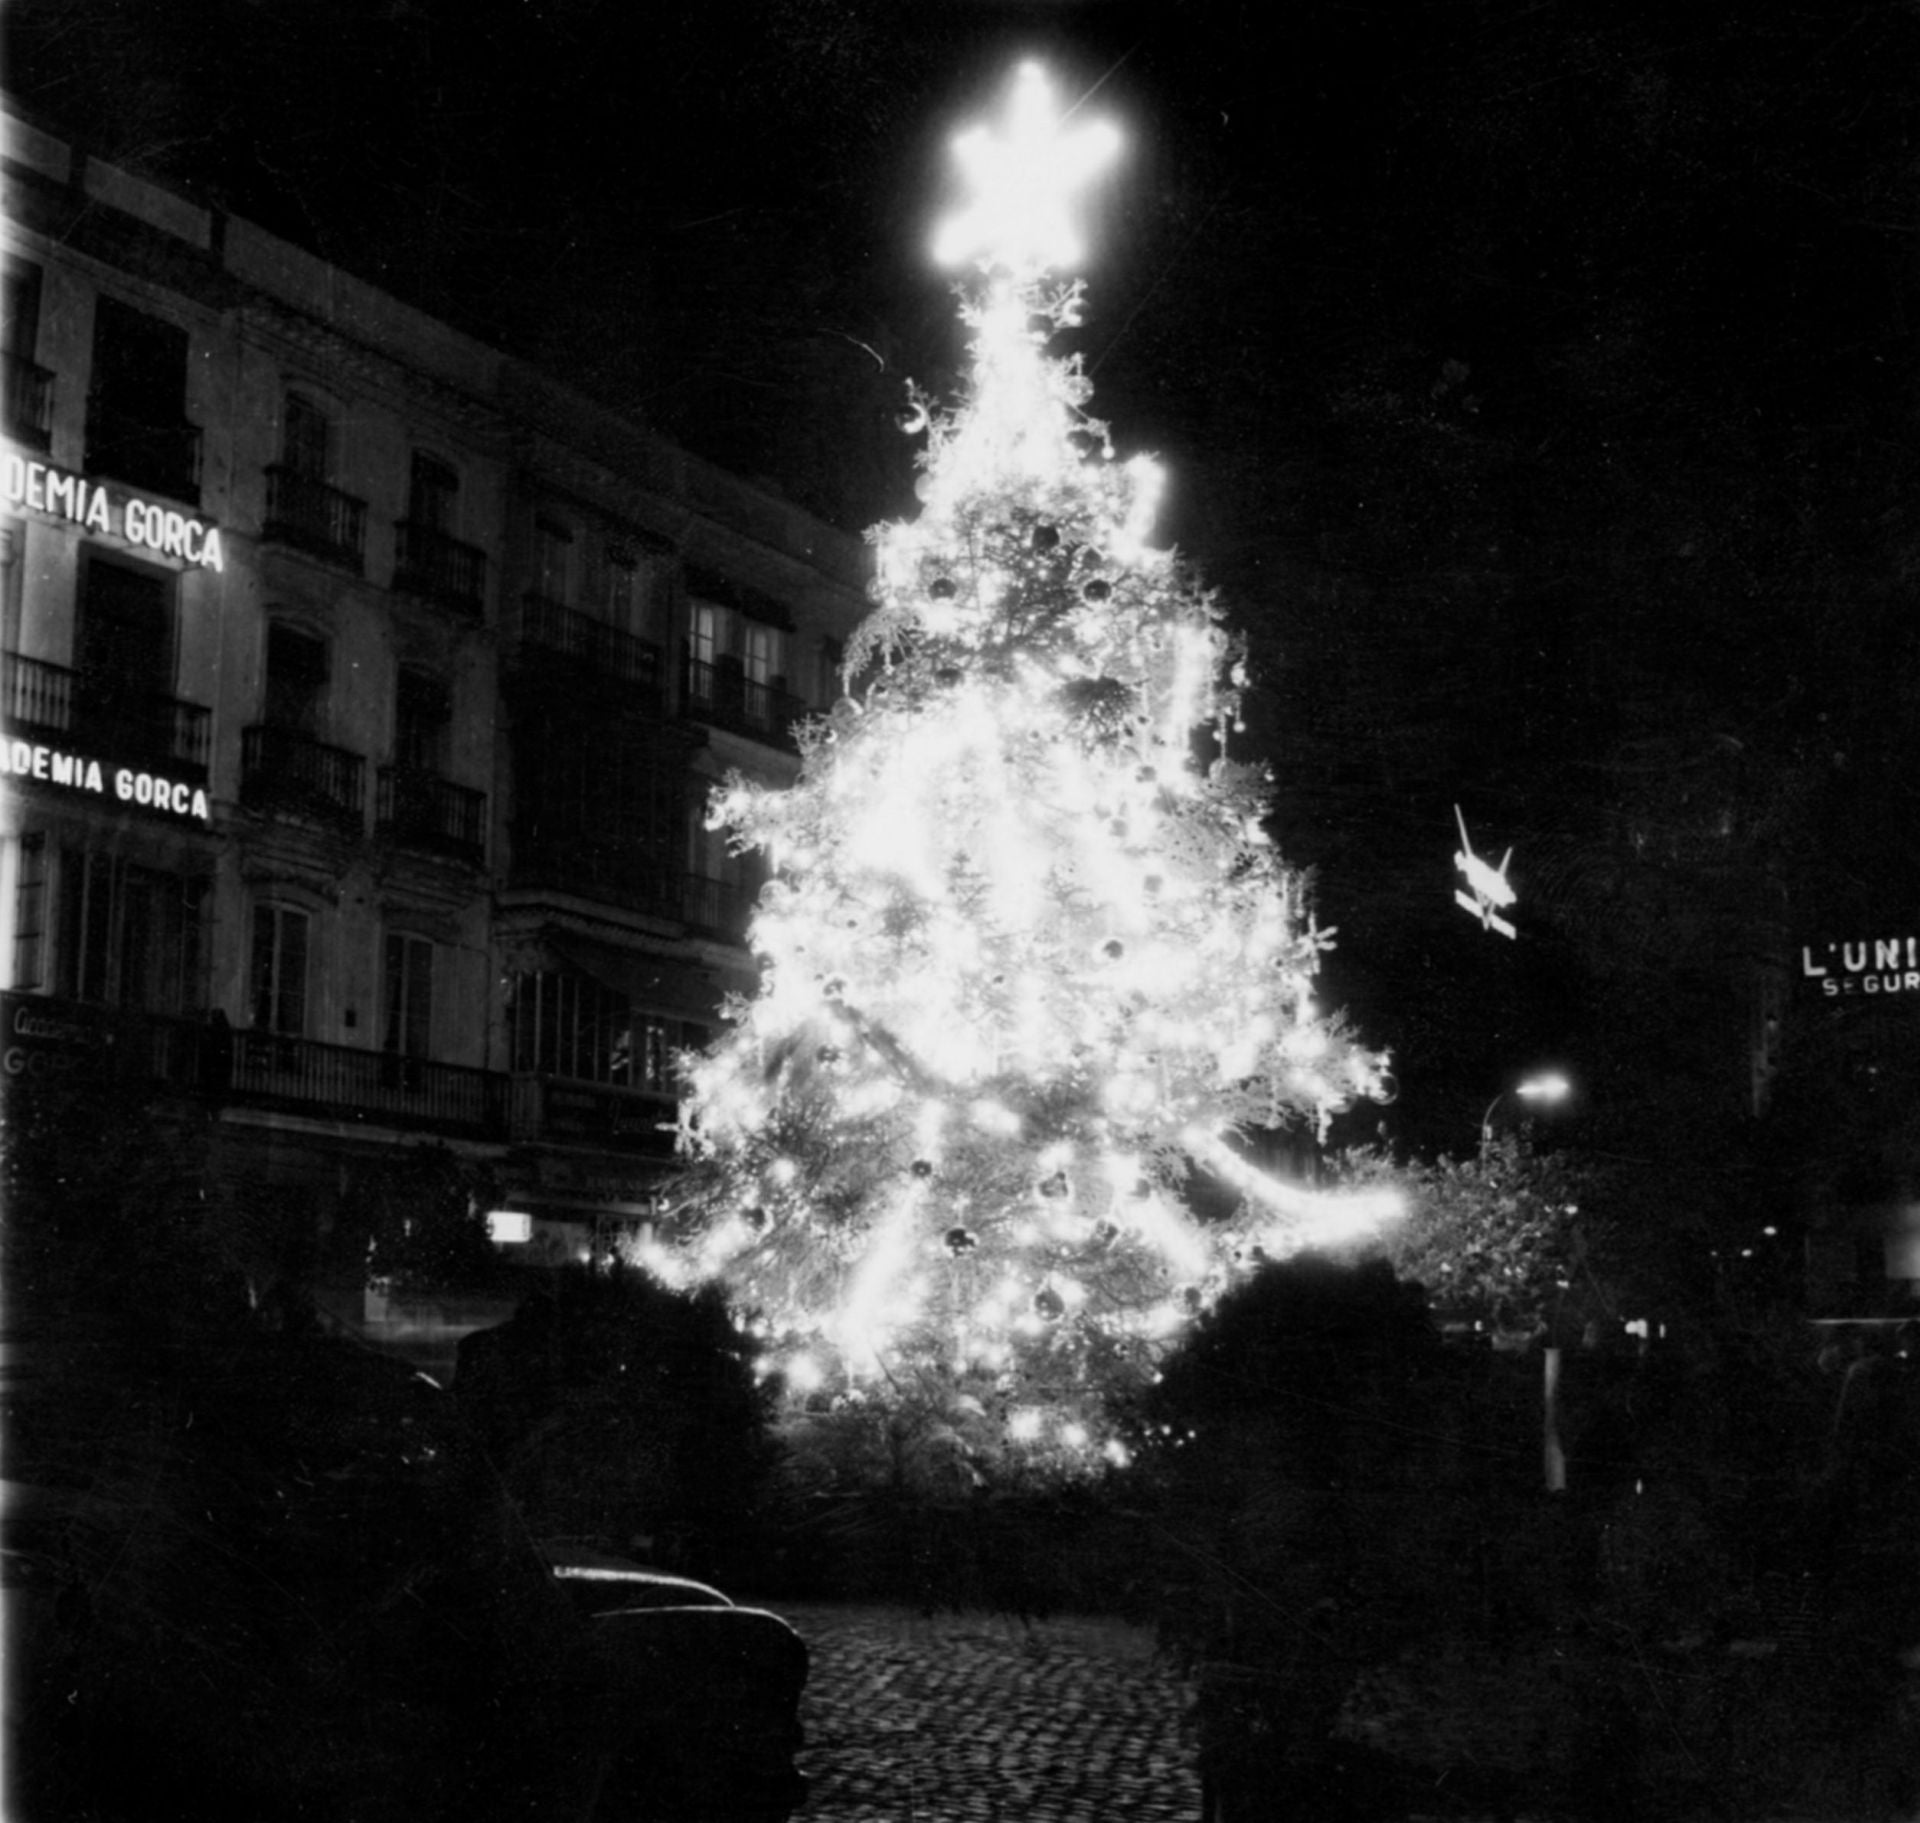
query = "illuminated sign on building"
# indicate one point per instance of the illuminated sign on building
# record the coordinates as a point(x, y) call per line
point(164, 530)
point(79, 772)
point(1885, 965)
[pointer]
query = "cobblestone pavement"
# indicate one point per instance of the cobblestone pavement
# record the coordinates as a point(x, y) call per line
point(977, 1718)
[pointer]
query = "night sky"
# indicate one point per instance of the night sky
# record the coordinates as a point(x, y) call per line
point(1538, 382)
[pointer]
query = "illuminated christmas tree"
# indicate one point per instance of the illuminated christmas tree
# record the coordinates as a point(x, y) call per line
point(1028, 953)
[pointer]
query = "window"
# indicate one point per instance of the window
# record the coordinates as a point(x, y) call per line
point(123, 652)
point(296, 691)
point(139, 363)
point(308, 449)
point(407, 991)
point(20, 309)
point(764, 650)
point(552, 560)
point(632, 583)
point(713, 632)
point(278, 985)
point(725, 636)
point(124, 640)
point(129, 936)
point(433, 494)
point(422, 715)
point(739, 666)
point(29, 389)
point(567, 1024)
point(29, 960)
point(827, 685)
point(602, 800)
point(137, 425)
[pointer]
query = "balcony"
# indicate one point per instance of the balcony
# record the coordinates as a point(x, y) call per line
point(437, 568)
point(284, 771)
point(308, 515)
point(182, 1052)
point(590, 1113)
point(576, 646)
point(155, 458)
point(725, 697)
point(29, 403)
point(304, 1075)
point(421, 810)
point(141, 728)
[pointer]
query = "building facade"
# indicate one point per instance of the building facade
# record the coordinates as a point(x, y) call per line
point(363, 689)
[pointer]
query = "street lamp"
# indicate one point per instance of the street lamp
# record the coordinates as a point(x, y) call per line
point(1542, 1090)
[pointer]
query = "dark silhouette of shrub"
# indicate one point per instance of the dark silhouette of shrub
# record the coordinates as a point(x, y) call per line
point(620, 1412)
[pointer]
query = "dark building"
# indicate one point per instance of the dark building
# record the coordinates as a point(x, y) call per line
point(362, 693)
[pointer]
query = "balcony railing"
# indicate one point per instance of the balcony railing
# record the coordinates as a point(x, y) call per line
point(420, 809)
point(400, 1091)
point(438, 568)
point(545, 627)
point(627, 1120)
point(159, 458)
point(725, 696)
point(284, 770)
point(29, 402)
point(52, 1036)
point(310, 516)
point(140, 727)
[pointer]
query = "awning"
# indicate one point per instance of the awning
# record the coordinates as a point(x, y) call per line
point(655, 983)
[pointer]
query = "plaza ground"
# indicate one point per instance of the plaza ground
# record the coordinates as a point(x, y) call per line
point(981, 1718)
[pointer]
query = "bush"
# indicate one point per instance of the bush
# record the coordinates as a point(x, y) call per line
point(623, 1413)
point(1333, 1510)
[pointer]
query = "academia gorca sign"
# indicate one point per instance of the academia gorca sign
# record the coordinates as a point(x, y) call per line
point(163, 530)
point(103, 779)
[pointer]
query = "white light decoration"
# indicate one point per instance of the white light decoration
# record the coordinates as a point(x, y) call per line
point(1488, 891)
point(1026, 957)
point(1018, 219)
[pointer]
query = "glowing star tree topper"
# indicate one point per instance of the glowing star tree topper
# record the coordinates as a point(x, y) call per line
point(1019, 220)
point(1029, 955)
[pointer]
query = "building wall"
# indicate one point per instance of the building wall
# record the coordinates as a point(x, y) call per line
point(314, 800)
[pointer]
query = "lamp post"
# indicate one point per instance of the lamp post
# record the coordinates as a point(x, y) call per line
point(1543, 1090)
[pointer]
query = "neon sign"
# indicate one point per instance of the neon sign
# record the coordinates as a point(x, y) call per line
point(164, 530)
point(80, 772)
point(1884, 965)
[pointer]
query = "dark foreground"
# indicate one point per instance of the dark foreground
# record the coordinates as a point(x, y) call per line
point(978, 1718)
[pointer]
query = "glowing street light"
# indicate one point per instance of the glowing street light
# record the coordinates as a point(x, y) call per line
point(1543, 1091)
point(1021, 182)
